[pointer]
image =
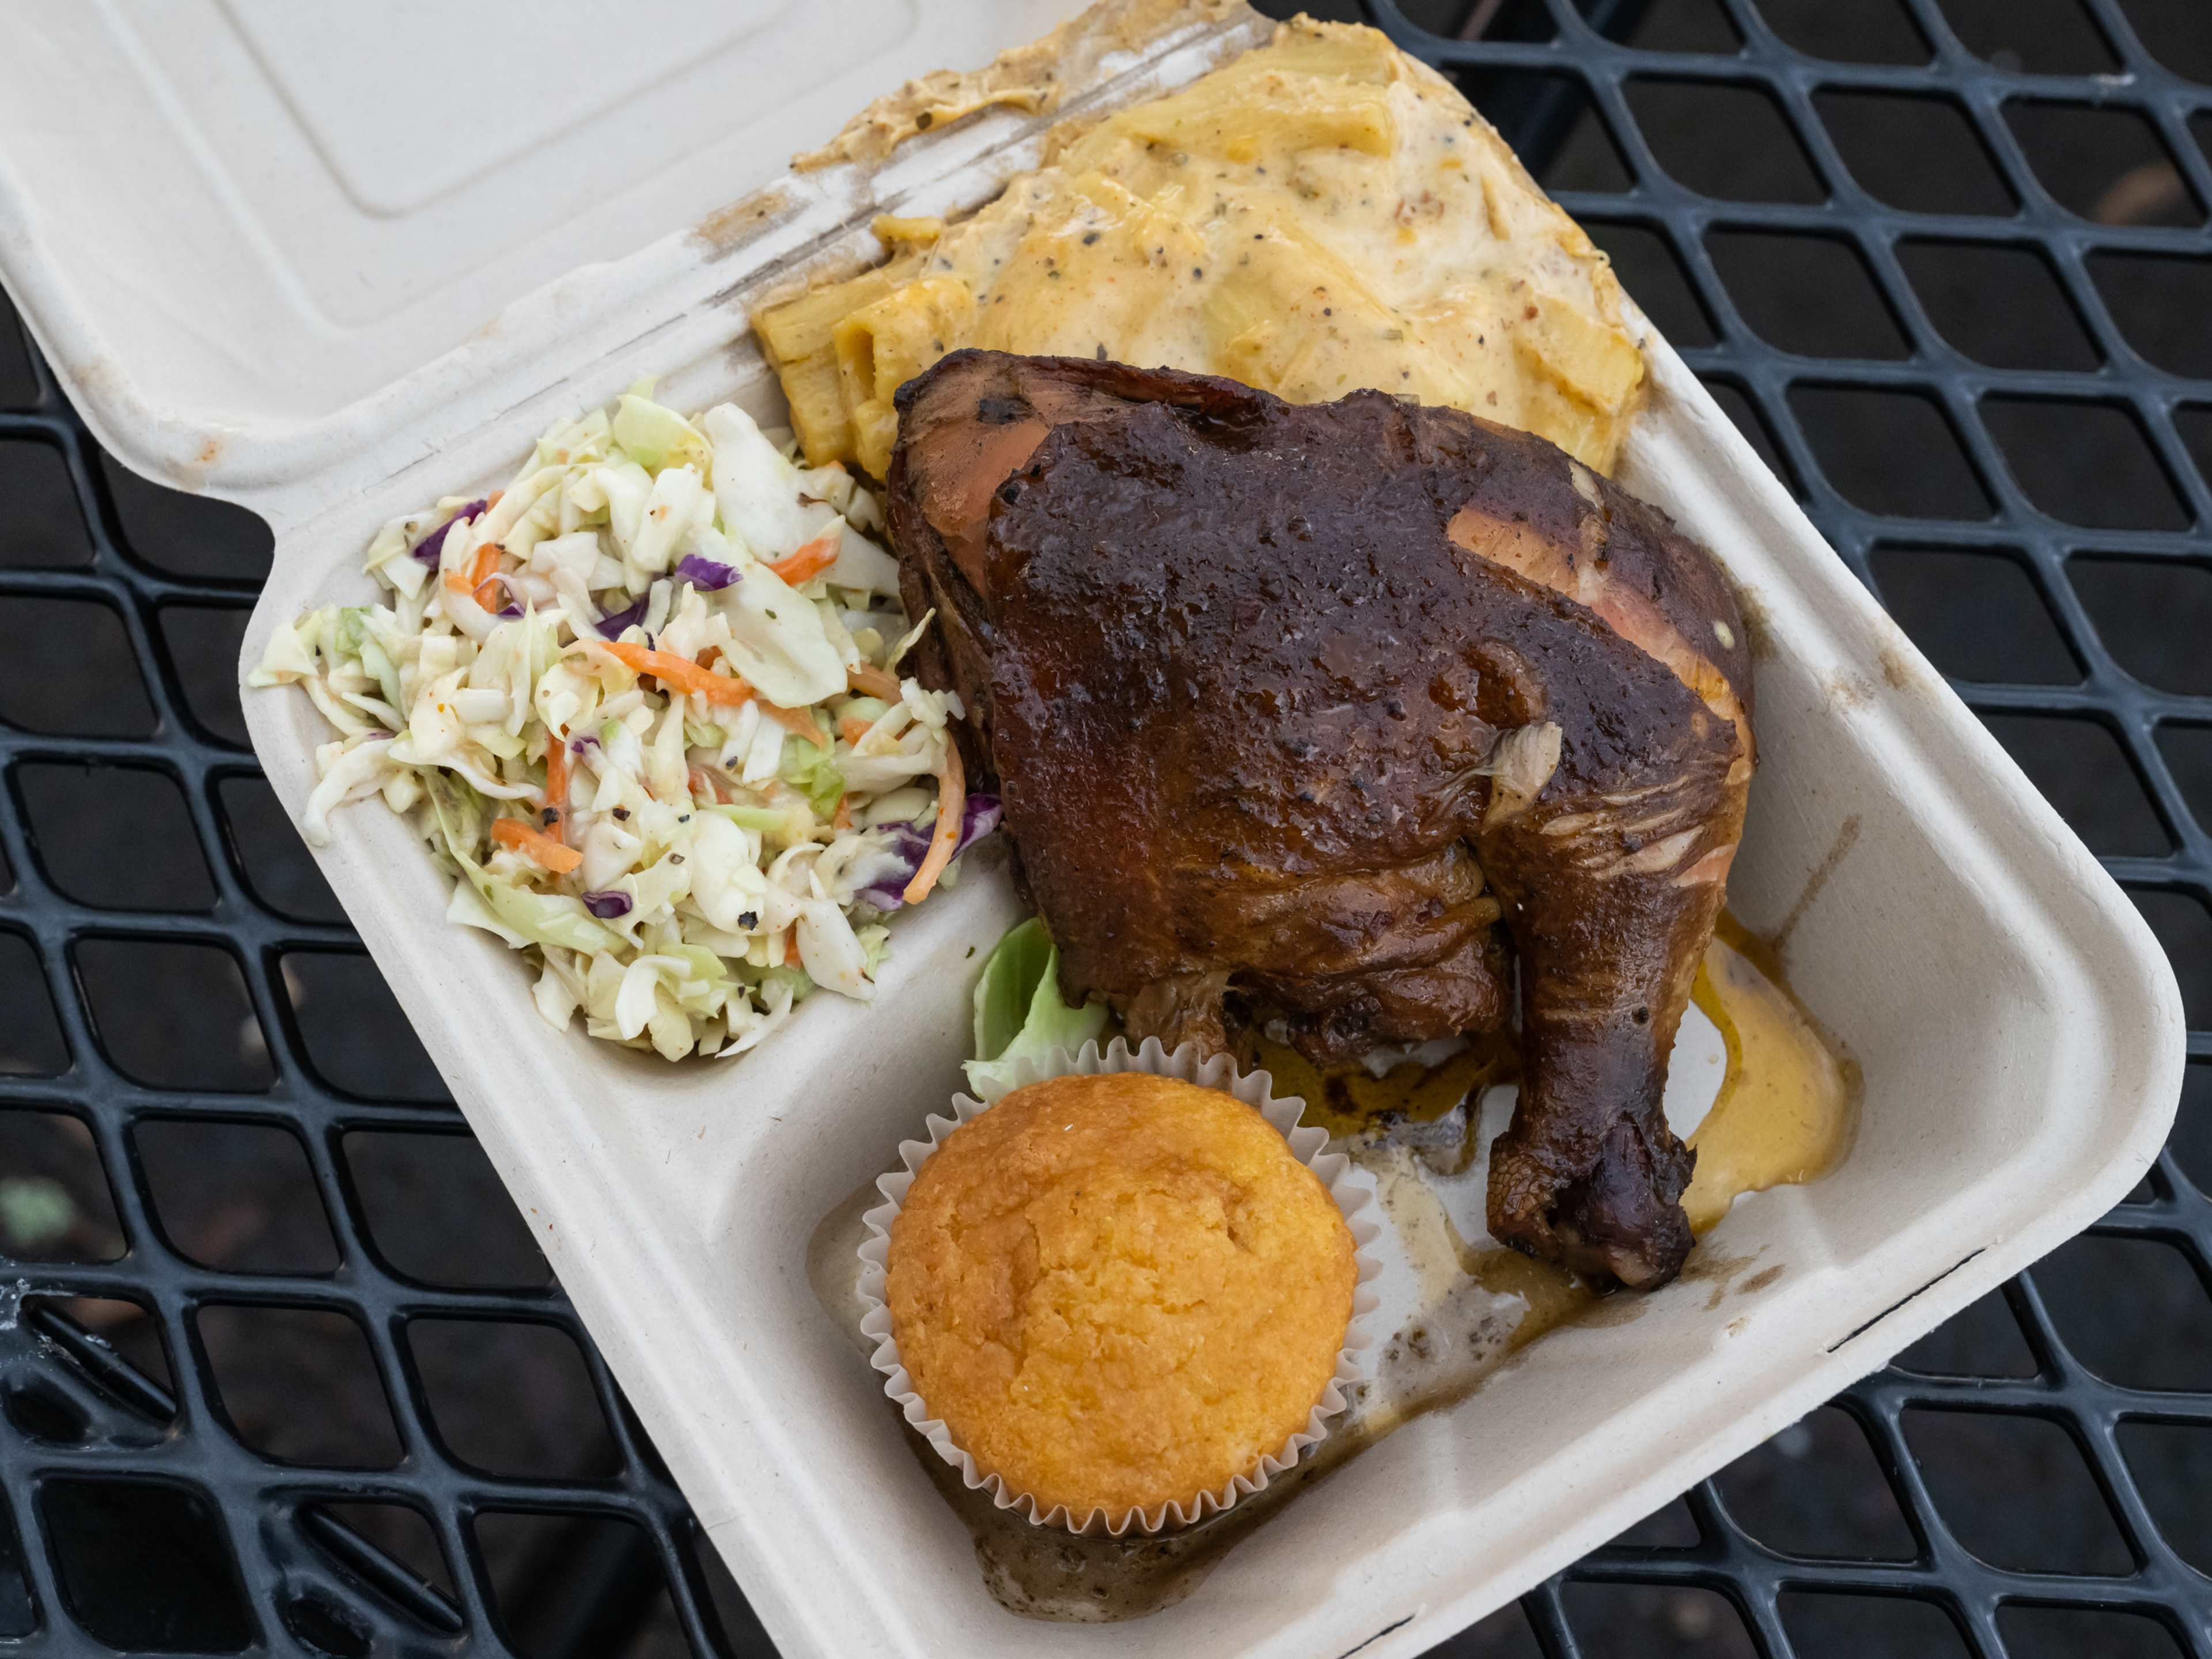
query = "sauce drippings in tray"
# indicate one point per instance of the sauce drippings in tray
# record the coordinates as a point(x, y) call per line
point(1784, 1115)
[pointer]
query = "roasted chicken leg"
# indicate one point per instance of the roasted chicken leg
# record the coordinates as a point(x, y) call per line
point(1290, 704)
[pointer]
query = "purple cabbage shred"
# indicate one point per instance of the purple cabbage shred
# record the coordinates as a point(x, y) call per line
point(978, 818)
point(630, 615)
point(432, 545)
point(607, 906)
point(706, 573)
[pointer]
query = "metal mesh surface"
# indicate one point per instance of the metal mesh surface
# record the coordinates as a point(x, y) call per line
point(282, 1372)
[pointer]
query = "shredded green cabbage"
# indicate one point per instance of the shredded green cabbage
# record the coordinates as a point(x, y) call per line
point(704, 869)
point(811, 768)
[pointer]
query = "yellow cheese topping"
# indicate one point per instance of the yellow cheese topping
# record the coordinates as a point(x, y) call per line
point(1321, 215)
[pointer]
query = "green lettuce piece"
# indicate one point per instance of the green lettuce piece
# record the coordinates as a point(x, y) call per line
point(1010, 977)
point(1020, 1014)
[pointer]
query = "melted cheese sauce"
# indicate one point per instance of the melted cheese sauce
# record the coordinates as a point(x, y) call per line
point(1783, 1113)
point(1321, 215)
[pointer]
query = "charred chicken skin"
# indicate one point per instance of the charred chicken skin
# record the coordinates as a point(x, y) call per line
point(1290, 705)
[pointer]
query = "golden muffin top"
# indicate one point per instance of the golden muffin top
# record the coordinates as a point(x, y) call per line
point(1119, 1291)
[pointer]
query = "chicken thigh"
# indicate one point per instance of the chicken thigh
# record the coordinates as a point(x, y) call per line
point(1290, 705)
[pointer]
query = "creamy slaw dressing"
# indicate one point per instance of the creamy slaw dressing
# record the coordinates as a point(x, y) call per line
point(643, 704)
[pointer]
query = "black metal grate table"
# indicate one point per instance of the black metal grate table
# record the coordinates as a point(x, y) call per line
point(282, 1372)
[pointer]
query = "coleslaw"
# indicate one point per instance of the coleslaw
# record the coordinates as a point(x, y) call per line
point(643, 705)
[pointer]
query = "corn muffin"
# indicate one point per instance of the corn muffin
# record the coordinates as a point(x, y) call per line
point(1119, 1291)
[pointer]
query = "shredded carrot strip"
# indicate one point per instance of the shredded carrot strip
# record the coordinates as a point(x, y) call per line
point(482, 569)
point(873, 682)
point(493, 500)
point(678, 672)
point(842, 819)
point(798, 722)
point(705, 784)
point(684, 675)
point(808, 562)
point(952, 806)
point(853, 728)
point(535, 844)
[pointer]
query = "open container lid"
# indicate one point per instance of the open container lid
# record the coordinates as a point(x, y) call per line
point(276, 252)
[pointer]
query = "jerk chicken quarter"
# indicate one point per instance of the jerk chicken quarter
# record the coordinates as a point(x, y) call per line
point(1289, 703)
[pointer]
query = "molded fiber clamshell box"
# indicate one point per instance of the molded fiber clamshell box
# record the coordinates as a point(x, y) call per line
point(2018, 1030)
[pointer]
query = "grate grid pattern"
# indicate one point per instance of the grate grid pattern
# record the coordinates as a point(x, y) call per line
point(2018, 476)
point(178, 1170)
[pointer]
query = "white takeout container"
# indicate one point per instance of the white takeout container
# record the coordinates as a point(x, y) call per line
point(2019, 1031)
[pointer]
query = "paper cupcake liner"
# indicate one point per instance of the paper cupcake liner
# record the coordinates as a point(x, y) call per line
point(1350, 1188)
